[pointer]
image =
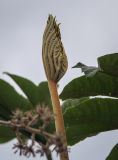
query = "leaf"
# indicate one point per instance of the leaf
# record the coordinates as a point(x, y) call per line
point(113, 154)
point(100, 84)
point(109, 63)
point(6, 134)
point(72, 102)
point(44, 94)
point(89, 118)
point(10, 100)
point(36, 94)
point(13, 100)
point(28, 87)
point(5, 113)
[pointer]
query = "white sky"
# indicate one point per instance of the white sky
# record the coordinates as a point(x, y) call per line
point(89, 29)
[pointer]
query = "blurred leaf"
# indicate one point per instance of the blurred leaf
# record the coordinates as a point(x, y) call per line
point(5, 113)
point(89, 118)
point(28, 87)
point(6, 134)
point(113, 154)
point(36, 94)
point(109, 63)
point(10, 100)
point(100, 84)
point(44, 94)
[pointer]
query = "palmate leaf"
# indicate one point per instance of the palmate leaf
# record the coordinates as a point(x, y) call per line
point(99, 84)
point(90, 117)
point(109, 63)
point(114, 153)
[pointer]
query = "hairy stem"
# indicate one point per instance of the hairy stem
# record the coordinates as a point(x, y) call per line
point(59, 122)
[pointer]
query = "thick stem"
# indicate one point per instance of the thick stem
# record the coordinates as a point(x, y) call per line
point(59, 122)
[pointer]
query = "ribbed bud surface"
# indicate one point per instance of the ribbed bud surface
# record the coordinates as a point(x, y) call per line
point(53, 53)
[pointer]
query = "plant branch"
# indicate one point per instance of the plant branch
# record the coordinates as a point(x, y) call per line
point(26, 128)
point(17, 124)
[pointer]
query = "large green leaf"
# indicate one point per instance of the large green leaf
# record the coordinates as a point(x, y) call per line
point(5, 113)
point(109, 63)
point(113, 154)
point(28, 87)
point(90, 117)
point(10, 100)
point(6, 134)
point(36, 94)
point(72, 102)
point(99, 84)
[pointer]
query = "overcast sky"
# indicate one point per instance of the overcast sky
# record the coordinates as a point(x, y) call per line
point(89, 29)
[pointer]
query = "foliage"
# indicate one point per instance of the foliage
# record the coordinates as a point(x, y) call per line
point(114, 153)
point(92, 115)
point(84, 115)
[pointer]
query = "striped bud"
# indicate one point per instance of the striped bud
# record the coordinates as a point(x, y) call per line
point(53, 53)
